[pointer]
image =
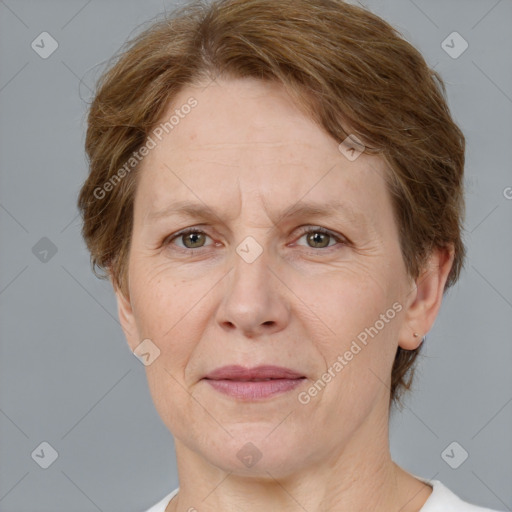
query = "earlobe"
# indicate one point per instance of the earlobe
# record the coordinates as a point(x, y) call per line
point(426, 298)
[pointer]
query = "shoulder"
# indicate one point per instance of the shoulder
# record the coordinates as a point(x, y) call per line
point(443, 499)
point(162, 504)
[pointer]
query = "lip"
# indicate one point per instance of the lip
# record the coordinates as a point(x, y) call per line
point(236, 372)
point(239, 382)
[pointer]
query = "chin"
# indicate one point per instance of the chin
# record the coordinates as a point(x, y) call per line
point(258, 450)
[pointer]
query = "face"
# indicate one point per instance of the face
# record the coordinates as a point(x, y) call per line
point(295, 263)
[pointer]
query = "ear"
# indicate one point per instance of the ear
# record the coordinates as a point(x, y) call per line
point(425, 298)
point(126, 318)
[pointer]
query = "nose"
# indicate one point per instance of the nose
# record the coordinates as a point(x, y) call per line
point(255, 300)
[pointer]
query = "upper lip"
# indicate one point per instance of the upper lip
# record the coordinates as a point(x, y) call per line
point(236, 372)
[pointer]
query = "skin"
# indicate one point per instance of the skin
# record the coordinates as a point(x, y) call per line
point(249, 153)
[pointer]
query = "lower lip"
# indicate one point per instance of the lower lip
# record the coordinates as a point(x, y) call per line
point(250, 390)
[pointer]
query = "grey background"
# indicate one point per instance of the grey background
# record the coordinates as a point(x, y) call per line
point(67, 376)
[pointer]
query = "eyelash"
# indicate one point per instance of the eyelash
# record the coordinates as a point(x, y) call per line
point(316, 229)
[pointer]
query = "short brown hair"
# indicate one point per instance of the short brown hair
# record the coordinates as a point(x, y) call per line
point(347, 68)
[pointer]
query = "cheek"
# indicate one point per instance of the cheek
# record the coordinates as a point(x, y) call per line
point(356, 336)
point(345, 302)
point(357, 351)
point(173, 313)
point(160, 300)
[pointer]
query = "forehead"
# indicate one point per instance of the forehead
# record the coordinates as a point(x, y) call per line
point(243, 116)
point(247, 136)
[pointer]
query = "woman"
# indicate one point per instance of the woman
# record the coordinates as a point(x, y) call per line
point(275, 192)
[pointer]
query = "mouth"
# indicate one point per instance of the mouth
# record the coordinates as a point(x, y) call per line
point(255, 383)
point(250, 390)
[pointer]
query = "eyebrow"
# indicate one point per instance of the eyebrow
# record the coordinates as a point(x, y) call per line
point(336, 208)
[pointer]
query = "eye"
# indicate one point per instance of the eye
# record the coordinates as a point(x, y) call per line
point(320, 238)
point(192, 238)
